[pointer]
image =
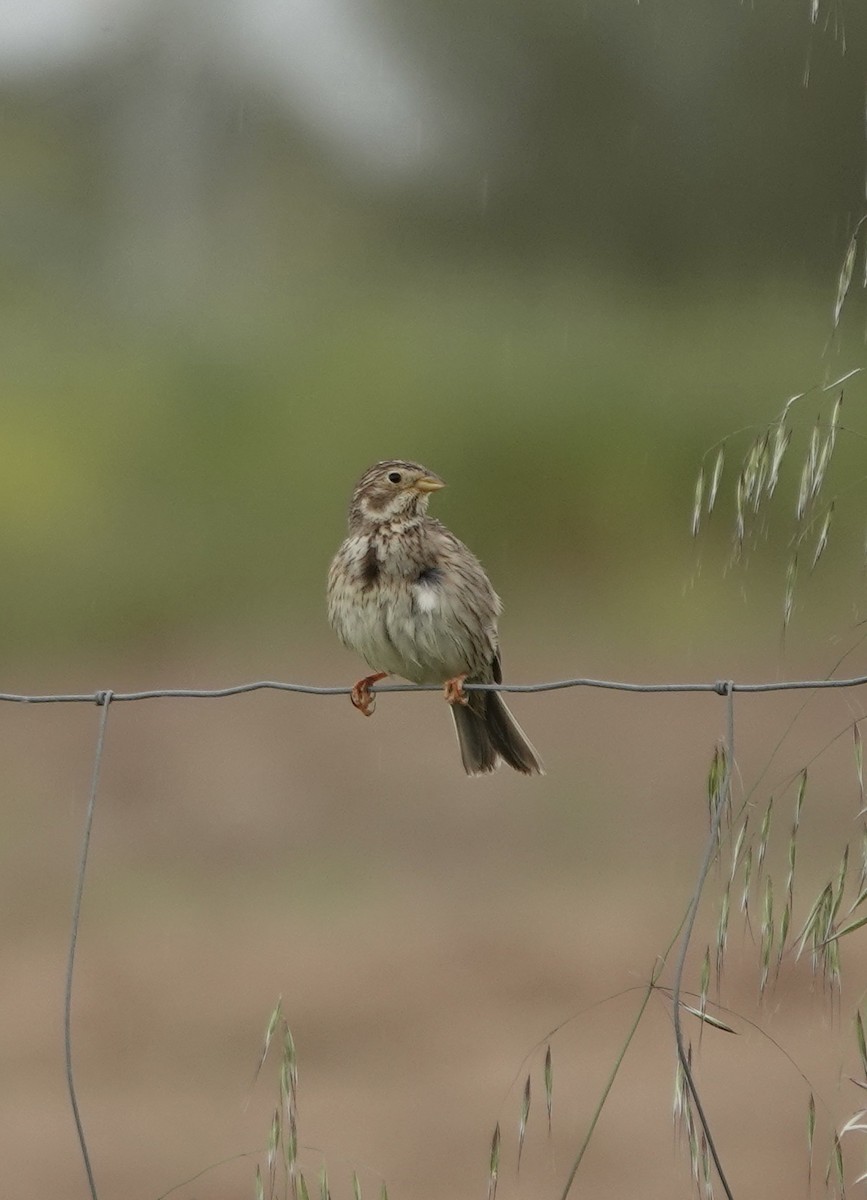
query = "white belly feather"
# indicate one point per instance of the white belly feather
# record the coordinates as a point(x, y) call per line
point(427, 597)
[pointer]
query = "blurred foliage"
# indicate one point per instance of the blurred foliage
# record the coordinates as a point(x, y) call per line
point(211, 325)
point(662, 136)
point(149, 480)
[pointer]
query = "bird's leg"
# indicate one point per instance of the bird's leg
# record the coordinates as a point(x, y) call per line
point(454, 690)
point(361, 695)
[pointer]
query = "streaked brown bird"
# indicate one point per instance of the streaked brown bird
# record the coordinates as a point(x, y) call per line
point(412, 600)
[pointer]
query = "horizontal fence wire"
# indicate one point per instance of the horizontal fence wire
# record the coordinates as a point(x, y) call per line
point(720, 687)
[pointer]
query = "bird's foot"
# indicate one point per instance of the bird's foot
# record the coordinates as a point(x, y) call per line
point(453, 689)
point(361, 695)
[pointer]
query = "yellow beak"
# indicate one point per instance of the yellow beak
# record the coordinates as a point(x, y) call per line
point(429, 483)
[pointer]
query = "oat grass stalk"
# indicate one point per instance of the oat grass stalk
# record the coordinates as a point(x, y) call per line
point(811, 1134)
point(718, 788)
point(715, 480)
point(785, 924)
point(862, 874)
point(609, 1083)
point(706, 1171)
point(822, 540)
point(840, 884)
point(284, 1176)
point(745, 891)
point(549, 1086)
point(522, 1122)
point(758, 472)
point(764, 837)
point(855, 1123)
point(789, 592)
point(858, 749)
point(681, 1099)
point(819, 932)
point(698, 500)
point(273, 1144)
point(793, 840)
point(494, 1164)
point(844, 279)
point(704, 984)
point(767, 932)
point(862, 1043)
point(835, 1167)
point(722, 936)
point(853, 925)
point(738, 849)
point(814, 929)
point(273, 1020)
point(324, 1189)
point(707, 1019)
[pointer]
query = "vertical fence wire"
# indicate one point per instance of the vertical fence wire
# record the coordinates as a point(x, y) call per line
point(104, 699)
point(689, 925)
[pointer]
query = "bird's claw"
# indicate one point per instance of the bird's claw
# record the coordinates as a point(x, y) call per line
point(361, 695)
point(453, 689)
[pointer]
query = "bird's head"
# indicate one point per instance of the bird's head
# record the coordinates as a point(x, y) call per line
point(393, 490)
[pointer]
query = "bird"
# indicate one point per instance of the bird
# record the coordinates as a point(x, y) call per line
point(412, 600)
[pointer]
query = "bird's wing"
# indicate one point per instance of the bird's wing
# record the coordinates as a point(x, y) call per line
point(475, 602)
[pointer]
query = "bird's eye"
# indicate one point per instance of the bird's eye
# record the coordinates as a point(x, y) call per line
point(394, 476)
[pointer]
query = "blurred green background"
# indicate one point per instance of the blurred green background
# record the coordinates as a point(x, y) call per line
point(555, 251)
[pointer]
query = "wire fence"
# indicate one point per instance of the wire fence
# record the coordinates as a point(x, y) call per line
point(726, 689)
point(720, 687)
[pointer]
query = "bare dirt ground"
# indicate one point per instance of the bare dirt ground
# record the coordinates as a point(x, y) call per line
point(426, 933)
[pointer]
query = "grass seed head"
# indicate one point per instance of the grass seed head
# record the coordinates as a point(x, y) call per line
point(494, 1166)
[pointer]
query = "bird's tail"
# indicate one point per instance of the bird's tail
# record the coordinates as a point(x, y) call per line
point(488, 734)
